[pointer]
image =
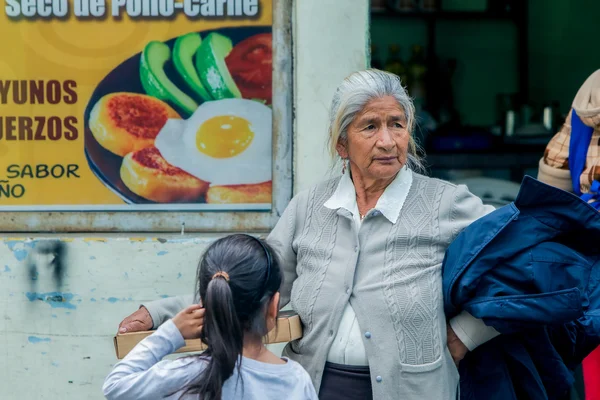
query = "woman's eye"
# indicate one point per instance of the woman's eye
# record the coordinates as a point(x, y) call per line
point(398, 125)
point(370, 127)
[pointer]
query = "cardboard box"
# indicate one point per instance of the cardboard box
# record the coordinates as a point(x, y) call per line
point(289, 328)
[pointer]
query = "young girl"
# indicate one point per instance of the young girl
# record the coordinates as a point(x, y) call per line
point(238, 282)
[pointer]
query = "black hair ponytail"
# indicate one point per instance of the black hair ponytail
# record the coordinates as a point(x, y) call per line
point(237, 278)
point(224, 336)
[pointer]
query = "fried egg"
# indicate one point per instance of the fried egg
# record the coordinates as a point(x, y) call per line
point(225, 142)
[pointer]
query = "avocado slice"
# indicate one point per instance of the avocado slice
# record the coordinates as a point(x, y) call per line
point(210, 63)
point(183, 52)
point(156, 82)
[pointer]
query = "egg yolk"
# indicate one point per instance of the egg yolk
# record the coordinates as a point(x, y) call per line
point(224, 136)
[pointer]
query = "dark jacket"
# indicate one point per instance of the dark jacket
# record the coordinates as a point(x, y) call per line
point(531, 270)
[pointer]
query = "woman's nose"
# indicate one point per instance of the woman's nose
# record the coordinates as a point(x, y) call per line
point(385, 139)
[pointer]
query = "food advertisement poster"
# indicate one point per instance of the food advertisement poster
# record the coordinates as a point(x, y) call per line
point(135, 105)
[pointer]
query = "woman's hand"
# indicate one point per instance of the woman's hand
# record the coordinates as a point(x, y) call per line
point(136, 322)
point(458, 350)
point(189, 321)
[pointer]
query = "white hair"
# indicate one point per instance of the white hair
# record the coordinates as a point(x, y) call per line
point(358, 89)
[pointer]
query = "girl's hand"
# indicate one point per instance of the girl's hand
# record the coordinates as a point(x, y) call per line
point(189, 321)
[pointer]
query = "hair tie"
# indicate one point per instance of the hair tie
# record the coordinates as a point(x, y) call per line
point(221, 274)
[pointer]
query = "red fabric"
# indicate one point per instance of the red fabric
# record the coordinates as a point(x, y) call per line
point(591, 375)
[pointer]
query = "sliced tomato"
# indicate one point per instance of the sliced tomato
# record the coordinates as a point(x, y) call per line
point(251, 66)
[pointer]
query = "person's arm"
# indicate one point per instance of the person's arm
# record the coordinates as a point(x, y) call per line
point(164, 309)
point(152, 314)
point(142, 374)
point(281, 239)
point(465, 208)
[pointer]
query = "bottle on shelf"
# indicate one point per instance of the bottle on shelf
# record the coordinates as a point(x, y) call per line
point(417, 74)
point(405, 5)
point(395, 65)
point(427, 5)
point(377, 5)
point(375, 60)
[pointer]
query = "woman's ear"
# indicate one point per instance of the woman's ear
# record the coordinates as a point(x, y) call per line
point(272, 311)
point(341, 148)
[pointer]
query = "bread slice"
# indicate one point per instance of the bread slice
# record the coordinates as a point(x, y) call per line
point(147, 174)
point(232, 194)
point(123, 122)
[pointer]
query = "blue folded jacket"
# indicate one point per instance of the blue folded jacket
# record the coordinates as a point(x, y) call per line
point(531, 270)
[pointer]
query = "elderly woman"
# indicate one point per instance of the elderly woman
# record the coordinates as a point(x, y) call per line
point(362, 257)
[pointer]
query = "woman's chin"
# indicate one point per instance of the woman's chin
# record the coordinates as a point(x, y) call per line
point(385, 170)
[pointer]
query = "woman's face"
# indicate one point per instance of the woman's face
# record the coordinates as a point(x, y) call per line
point(377, 140)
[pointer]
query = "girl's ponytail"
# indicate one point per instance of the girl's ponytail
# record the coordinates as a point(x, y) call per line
point(224, 336)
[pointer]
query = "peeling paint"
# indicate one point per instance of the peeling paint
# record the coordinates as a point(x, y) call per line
point(55, 299)
point(115, 299)
point(102, 240)
point(20, 248)
point(36, 340)
point(179, 275)
point(180, 240)
point(162, 253)
point(93, 300)
point(92, 258)
point(6, 268)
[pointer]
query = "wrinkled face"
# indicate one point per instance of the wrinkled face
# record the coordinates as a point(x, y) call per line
point(377, 140)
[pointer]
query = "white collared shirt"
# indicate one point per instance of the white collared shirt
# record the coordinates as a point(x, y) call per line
point(348, 347)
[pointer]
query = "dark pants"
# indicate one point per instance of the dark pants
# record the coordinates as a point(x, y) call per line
point(345, 382)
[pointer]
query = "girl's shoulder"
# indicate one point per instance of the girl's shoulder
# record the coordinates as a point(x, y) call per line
point(292, 363)
point(297, 368)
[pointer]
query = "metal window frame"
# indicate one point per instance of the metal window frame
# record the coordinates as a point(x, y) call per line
point(197, 221)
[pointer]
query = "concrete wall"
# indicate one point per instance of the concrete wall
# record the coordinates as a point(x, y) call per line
point(330, 43)
point(61, 347)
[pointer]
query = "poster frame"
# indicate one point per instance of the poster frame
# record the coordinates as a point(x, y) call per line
point(182, 221)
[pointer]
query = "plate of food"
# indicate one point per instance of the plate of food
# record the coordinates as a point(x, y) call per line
point(188, 120)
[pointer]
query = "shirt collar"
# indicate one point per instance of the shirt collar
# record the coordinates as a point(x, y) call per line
point(389, 204)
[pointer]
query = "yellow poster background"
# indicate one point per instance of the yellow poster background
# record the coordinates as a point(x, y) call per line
point(83, 50)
